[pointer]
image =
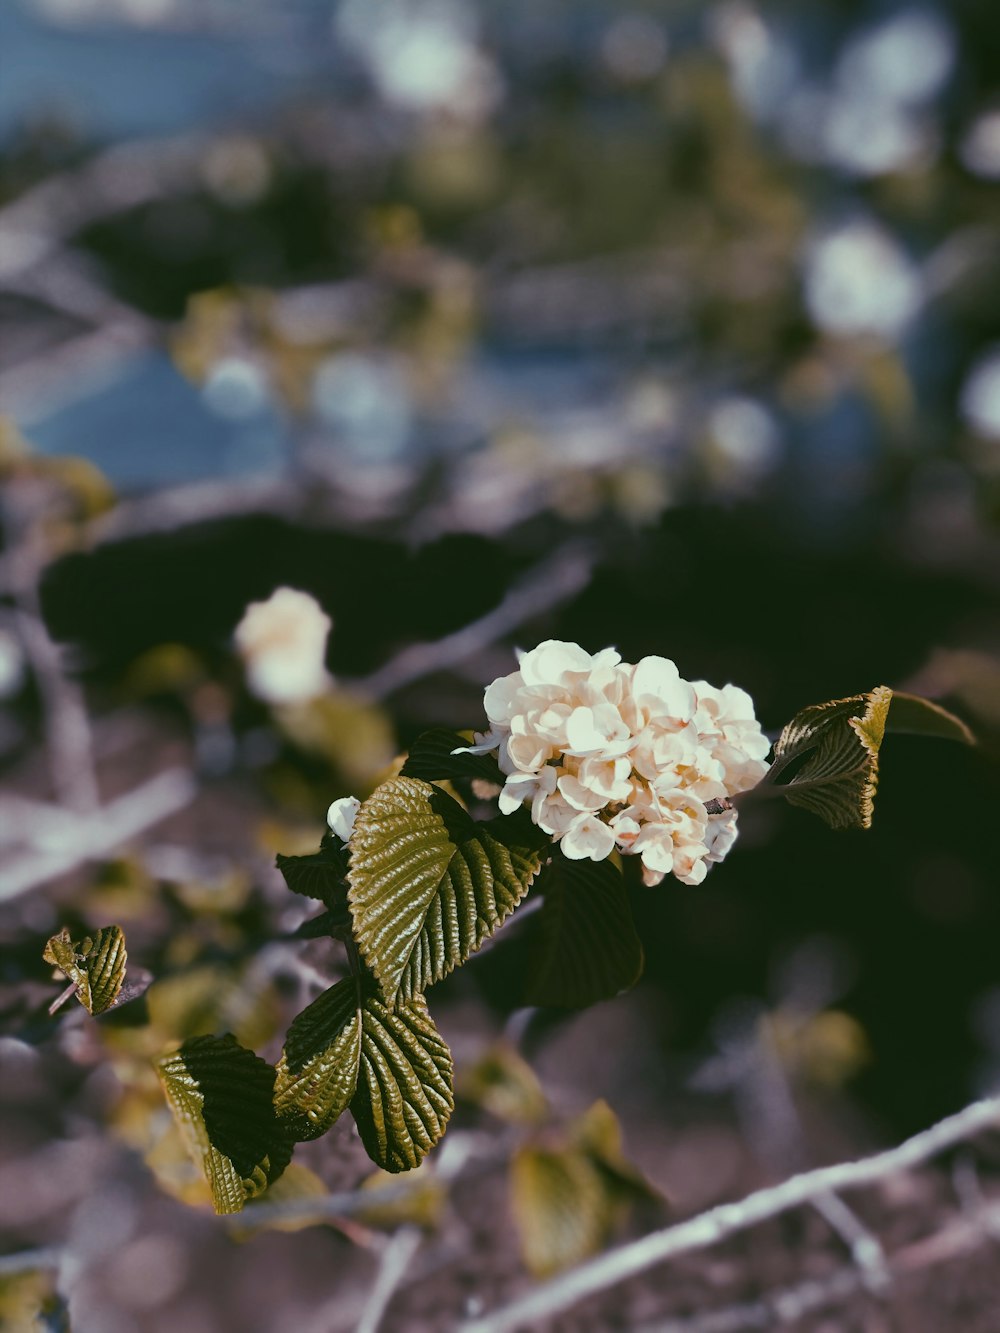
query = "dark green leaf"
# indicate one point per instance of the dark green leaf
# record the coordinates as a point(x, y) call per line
point(914, 716)
point(431, 759)
point(838, 744)
point(318, 1070)
point(404, 1096)
point(586, 947)
point(319, 875)
point(427, 885)
point(96, 964)
point(560, 1206)
point(221, 1095)
point(335, 924)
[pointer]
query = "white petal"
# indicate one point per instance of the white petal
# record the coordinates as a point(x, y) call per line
point(587, 838)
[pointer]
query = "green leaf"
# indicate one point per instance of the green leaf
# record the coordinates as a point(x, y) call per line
point(431, 759)
point(586, 947)
point(838, 743)
point(560, 1207)
point(96, 964)
point(404, 1096)
point(914, 716)
point(319, 875)
point(221, 1096)
point(318, 1071)
point(427, 885)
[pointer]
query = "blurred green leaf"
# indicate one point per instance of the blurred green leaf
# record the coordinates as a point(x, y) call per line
point(431, 759)
point(96, 964)
point(840, 742)
point(560, 1207)
point(221, 1096)
point(505, 1085)
point(318, 1071)
point(427, 885)
point(404, 1097)
point(586, 947)
point(598, 1133)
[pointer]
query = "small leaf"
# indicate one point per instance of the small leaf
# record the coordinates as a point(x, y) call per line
point(319, 875)
point(914, 716)
point(96, 964)
point(586, 947)
point(221, 1096)
point(840, 742)
point(431, 759)
point(318, 1070)
point(404, 1097)
point(427, 885)
point(560, 1206)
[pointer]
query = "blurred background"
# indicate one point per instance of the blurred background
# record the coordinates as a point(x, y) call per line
point(673, 326)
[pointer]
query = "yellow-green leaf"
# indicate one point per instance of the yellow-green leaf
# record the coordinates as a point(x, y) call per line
point(404, 1096)
point(318, 1070)
point(427, 884)
point(560, 1206)
point(586, 947)
point(221, 1097)
point(96, 964)
point(840, 742)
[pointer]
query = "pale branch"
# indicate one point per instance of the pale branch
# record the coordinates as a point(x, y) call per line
point(787, 1305)
point(30, 1261)
point(548, 585)
point(110, 825)
point(728, 1219)
point(396, 1258)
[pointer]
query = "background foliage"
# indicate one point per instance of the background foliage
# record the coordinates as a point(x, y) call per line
point(668, 325)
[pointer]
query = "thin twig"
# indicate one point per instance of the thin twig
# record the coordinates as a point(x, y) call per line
point(729, 1218)
point(790, 1304)
point(547, 586)
point(396, 1258)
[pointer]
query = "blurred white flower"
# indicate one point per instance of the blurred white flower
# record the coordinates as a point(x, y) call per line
point(980, 396)
point(609, 755)
point(283, 646)
point(858, 280)
point(12, 668)
point(341, 816)
point(980, 146)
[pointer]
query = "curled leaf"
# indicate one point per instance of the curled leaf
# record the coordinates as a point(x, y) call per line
point(95, 964)
point(838, 743)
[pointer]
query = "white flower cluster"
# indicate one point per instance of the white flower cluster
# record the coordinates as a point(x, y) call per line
point(614, 755)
